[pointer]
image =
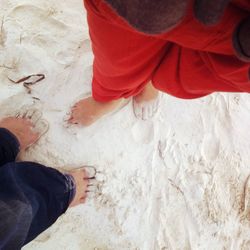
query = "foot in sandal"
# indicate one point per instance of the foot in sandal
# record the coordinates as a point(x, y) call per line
point(27, 126)
point(81, 181)
point(84, 178)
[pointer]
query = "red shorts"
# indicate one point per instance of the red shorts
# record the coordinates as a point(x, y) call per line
point(190, 61)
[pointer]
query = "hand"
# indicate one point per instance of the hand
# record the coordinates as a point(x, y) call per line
point(22, 128)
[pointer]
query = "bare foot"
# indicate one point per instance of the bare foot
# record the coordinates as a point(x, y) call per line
point(82, 182)
point(23, 129)
point(146, 103)
point(87, 111)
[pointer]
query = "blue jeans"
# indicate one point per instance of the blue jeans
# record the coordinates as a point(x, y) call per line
point(32, 196)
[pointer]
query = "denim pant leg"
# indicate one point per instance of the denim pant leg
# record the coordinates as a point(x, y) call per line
point(9, 146)
point(32, 197)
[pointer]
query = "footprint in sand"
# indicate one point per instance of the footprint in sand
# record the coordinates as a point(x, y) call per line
point(210, 147)
point(143, 131)
point(216, 126)
point(11, 104)
point(32, 16)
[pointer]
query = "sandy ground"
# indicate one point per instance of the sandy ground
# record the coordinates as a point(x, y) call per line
point(174, 182)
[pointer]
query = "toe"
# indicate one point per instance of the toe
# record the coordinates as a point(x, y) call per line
point(72, 118)
point(35, 115)
point(29, 113)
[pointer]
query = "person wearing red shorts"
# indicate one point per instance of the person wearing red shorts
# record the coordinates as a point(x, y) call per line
point(188, 49)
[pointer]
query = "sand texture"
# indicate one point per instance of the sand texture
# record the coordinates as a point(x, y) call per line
point(171, 183)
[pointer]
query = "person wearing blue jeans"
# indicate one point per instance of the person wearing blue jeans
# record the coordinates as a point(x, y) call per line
point(32, 196)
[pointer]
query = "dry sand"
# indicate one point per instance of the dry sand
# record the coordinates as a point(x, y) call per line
point(174, 182)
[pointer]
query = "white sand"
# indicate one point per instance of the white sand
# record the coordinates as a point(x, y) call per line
point(175, 182)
